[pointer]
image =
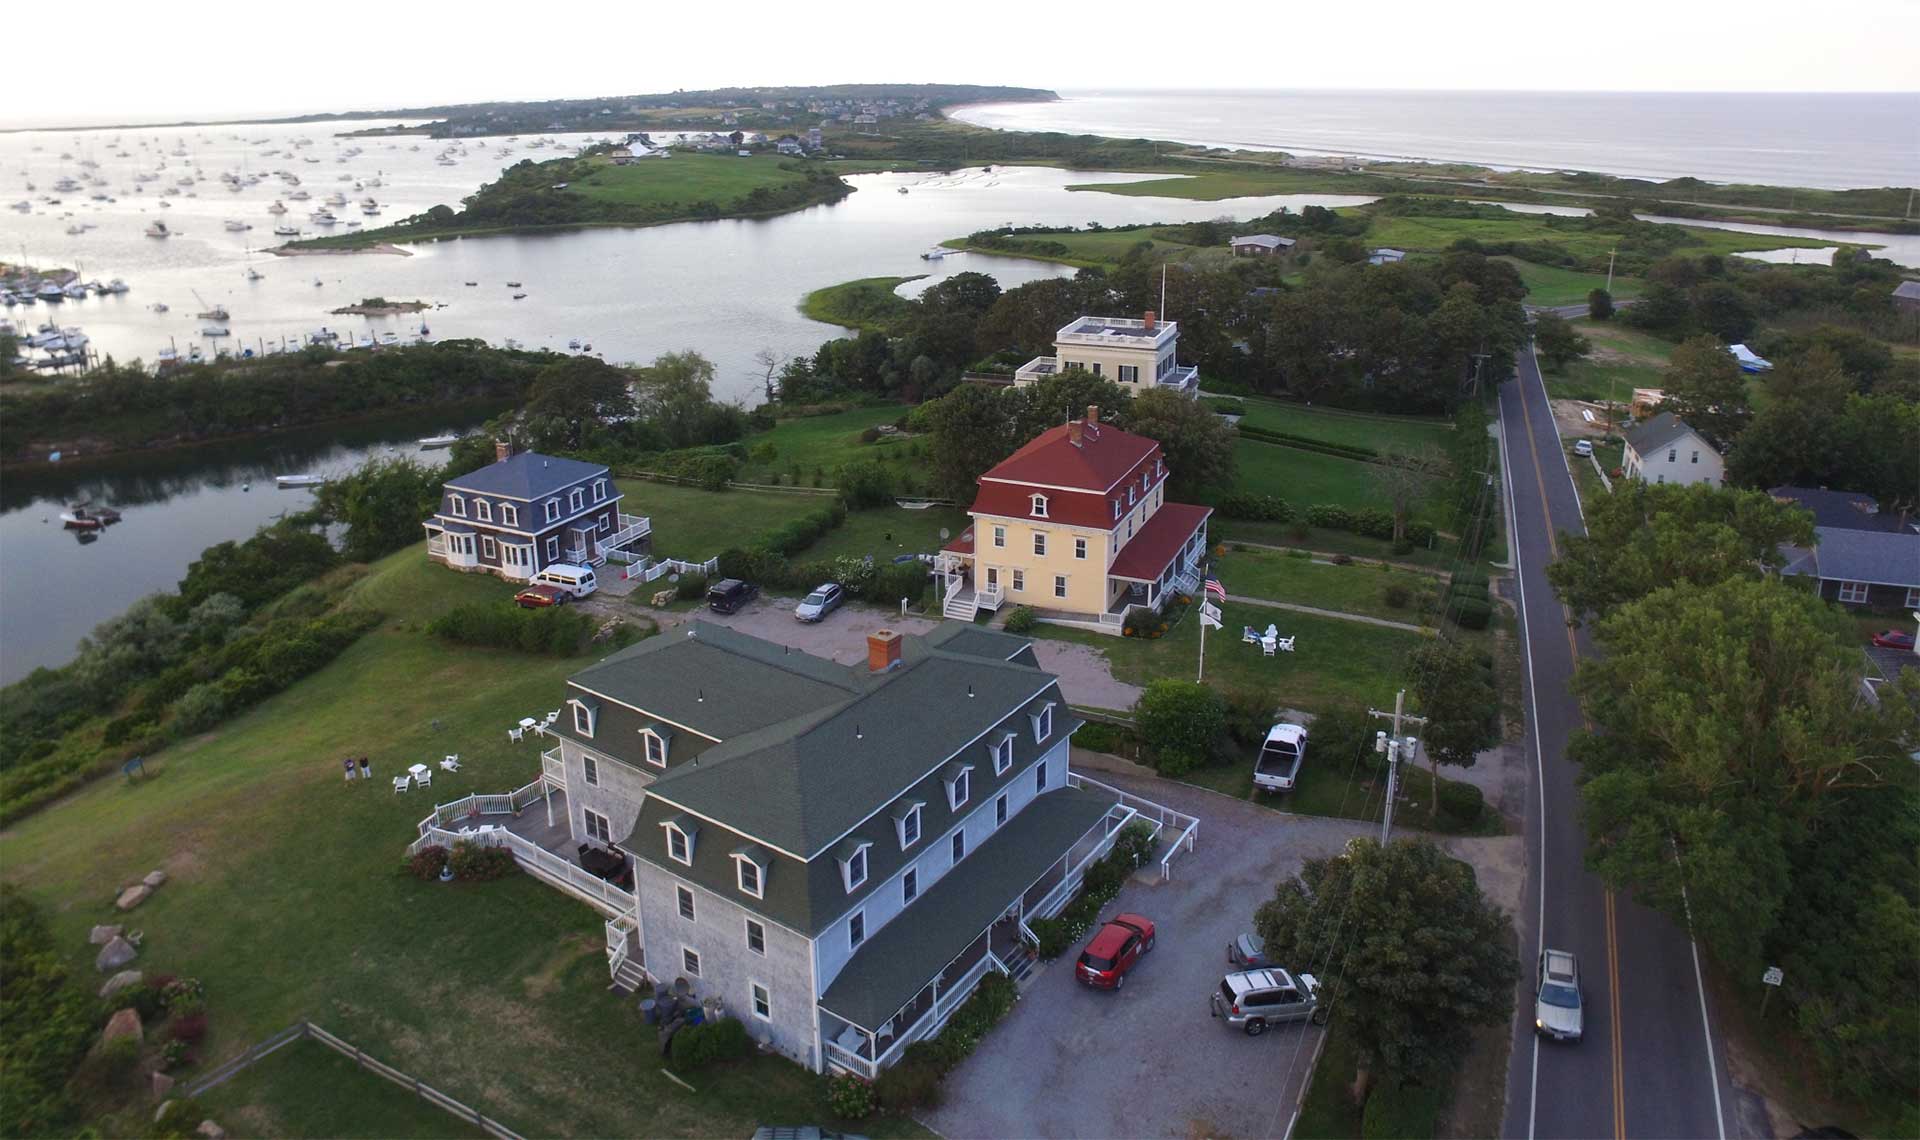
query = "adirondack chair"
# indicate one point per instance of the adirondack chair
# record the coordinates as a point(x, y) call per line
point(400, 784)
point(516, 735)
point(451, 763)
point(424, 777)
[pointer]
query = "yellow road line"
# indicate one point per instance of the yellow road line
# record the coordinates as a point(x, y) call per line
point(1613, 944)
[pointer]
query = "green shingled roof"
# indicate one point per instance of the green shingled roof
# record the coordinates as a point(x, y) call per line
point(907, 952)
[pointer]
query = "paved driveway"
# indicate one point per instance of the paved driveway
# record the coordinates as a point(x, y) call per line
point(1147, 1061)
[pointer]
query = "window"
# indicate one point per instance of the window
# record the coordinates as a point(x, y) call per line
point(458, 504)
point(1096, 368)
point(509, 514)
point(1913, 598)
point(756, 937)
point(690, 962)
point(749, 876)
point(909, 825)
point(597, 826)
point(553, 509)
point(999, 811)
point(959, 846)
point(553, 549)
point(1116, 510)
point(1696, 457)
point(959, 787)
point(1080, 549)
point(599, 490)
point(488, 548)
point(593, 770)
point(1039, 506)
point(762, 1002)
point(582, 719)
point(854, 868)
point(1853, 593)
point(1672, 453)
point(1003, 755)
point(1129, 373)
point(856, 929)
point(1040, 543)
point(606, 523)
point(1040, 778)
point(1059, 585)
point(1019, 581)
point(679, 846)
point(656, 748)
point(1133, 495)
point(1043, 723)
point(483, 510)
point(909, 885)
point(576, 500)
point(999, 536)
point(685, 899)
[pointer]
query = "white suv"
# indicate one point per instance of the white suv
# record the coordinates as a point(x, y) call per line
point(1254, 999)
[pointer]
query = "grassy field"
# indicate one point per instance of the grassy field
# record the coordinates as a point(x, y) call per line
point(1305, 478)
point(1435, 234)
point(825, 442)
point(308, 1092)
point(1622, 359)
point(1355, 589)
point(684, 178)
point(1353, 429)
point(695, 525)
point(1294, 536)
point(868, 303)
point(1097, 249)
point(1218, 185)
point(1552, 285)
point(287, 897)
point(1332, 660)
point(885, 532)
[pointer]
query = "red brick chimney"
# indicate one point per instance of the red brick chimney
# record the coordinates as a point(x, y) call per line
point(883, 650)
point(1074, 432)
point(502, 449)
point(1149, 320)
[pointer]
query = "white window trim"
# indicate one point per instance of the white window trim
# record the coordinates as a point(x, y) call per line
point(746, 936)
point(553, 510)
point(962, 784)
point(576, 500)
point(690, 961)
point(590, 770)
point(759, 888)
point(846, 868)
point(861, 916)
point(1000, 536)
point(1853, 593)
point(488, 547)
point(458, 504)
point(1040, 777)
point(1002, 810)
point(483, 510)
point(912, 873)
point(1059, 585)
point(1003, 755)
point(1039, 503)
point(684, 894)
point(599, 490)
point(1043, 723)
point(900, 828)
point(582, 719)
point(1913, 598)
point(1019, 580)
point(959, 837)
point(553, 548)
point(587, 816)
point(1039, 544)
point(509, 515)
point(648, 738)
point(757, 996)
point(1080, 549)
point(686, 844)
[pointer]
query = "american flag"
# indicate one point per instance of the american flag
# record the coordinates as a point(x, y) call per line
point(1216, 589)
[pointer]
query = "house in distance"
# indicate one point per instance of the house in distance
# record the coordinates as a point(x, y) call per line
point(1137, 355)
point(525, 512)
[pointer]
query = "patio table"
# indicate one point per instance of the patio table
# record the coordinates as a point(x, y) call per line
point(528, 722)
point(417, 769)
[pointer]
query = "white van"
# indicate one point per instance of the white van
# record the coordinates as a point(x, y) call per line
point(576, 580)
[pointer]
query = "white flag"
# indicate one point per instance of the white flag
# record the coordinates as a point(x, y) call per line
point(1209, 621)
point(1211, 612)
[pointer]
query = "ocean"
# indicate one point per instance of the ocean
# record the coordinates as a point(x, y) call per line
point(1834, 141)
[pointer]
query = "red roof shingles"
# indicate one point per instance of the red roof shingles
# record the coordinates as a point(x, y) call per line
point(1072, 508)
point(1104, 457)
point(961, 545)
point(1146, 555)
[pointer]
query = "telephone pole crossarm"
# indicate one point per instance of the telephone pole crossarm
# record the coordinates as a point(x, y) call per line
point(1396, 747)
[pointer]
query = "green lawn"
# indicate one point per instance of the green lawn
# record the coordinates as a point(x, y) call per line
point(684, 178)
point(1433, 234)
point(1355, 589)
point(1102, 248)
point(288, 901)
point(306, 1091)
point(868, 303)
point(825, 442)
point(1622, 359)
point(1354, 429)
point(888, 531)
point(1229, 531)
point(695, 525)
point(1332, 659)
point(1214, 185)
point(1305, 478)
point(1552, 285)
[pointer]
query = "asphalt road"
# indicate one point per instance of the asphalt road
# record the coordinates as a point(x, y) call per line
point(1651, 1064)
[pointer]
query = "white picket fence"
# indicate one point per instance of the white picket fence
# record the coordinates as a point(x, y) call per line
point(668, 566)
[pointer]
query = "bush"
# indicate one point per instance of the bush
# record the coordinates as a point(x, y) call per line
point(1476, 590)
point(182, 996)
point(1181, 723)
point(690, 587)
point(896, 580)
point(866, 484)
point(427, 863)
point(1461, 802)
point(201, 708)
point(1397, 595)
point(1471, 613)
point(1132, 848)
point(1052, 935)
point(557, 631)
point(1330, 516)
point(870, 435)
point(1249, 715)
point(174, 1054)
point(191, 1027)
point(1422, 534)
point(1095, 736)
point(1264, 508)
point(144, 999)
point(912, 1083)
point(722, 1039)
point(1372, 522)
point(472, 862)
point(1021, 620)
point(849, 1097)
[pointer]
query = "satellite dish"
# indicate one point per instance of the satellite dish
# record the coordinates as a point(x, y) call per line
point(944, 535)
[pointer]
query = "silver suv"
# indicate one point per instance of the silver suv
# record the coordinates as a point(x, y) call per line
point(1558, 1003)
point(1255, 999)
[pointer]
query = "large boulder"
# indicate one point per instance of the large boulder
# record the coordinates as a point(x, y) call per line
point(154, 878)
point(121, 981)
point(101, 935)
point(123, 1023)
point(115, 955)
point(162, 1085)
point(133, 896)
point(211, 1130)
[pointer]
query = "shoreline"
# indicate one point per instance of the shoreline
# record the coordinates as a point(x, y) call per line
point(385, 247)
point(392, 309)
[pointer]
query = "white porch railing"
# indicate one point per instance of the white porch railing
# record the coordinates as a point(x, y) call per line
point(1051, 902)
point(632, 527)
point(555, 870)
point(1161, 816)
point(989, 598)
point(437, 545)
point(943, 1007)
point(554, 769)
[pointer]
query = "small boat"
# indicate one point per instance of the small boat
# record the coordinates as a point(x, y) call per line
point(518, 296)
point(440, 441)
point(903, 189)
point(287, 231)
point(216, 330)
point(114, 286)
point(278, 207)
point(574, 344)
point(159, 306)
point(51, 293)
point(298, 480)
point(194, 355)
point(85, 516)
point(254, 274)
point(473, 283)
point(216, 313)
point(77, 291)
point(76, 230)
point(237, 227)
point(159, 230)
point(513, 284)
point(317, 283)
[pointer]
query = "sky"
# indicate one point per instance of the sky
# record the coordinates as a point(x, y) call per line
point(262, 58)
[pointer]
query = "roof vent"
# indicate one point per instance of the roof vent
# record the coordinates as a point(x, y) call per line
point(857, 734)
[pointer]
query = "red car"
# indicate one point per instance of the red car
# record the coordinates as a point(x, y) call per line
point(535, 597)
point(1119, 946)
point(1893, 639)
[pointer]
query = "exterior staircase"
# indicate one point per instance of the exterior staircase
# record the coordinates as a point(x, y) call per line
point(628, 977)
point(1021, 963)
point(961, 605)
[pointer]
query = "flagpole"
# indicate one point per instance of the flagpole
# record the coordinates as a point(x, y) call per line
point(1200, 677)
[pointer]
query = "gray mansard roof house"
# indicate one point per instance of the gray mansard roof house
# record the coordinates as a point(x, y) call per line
point(837, 853)
point(525, 512)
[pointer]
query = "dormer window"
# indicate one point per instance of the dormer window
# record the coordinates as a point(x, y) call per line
point(483, 510)
point(599, 490)
point(1043, 723)
point(1116, 510)
point(582, 719)
point(509, 514)
point(1002, 754)
point(906, 822)
point(576, 500)
point(853, 863)
point(681, 834)
point(654, 740)
point(553, 510)
point(1133, 494)
point(750, 870)
point(959, 781)
point(458, 504)
point(1039, 506)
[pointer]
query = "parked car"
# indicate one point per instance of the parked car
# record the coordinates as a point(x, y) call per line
point(1278, 765)
point(1117, 949)
point(1253, 1000)
point(728, 595)
point(825, 598)
point(1893, 639)
point(1583, 447)
point(1558, 1003)
point(539, 597)
point(1247, 952)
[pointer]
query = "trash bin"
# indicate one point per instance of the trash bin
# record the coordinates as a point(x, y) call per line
point(649, 1010)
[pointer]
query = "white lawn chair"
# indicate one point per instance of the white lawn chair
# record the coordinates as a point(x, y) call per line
point(1249, 635)
point(516, 735)
point(1273, 632)
point(1268, 645)
point(400, 784)
point(1286, 644)
point(541, 729)
point(451, 763)
point(424, 777)
point(553, 716)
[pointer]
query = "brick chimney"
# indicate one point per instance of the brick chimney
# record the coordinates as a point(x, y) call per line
point(502, 449)
point(1149, 320)
point(1074, 432)
point(883, 650)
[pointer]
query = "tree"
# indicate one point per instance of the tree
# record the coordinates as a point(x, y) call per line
point(1064, 396)
point(1182, 723)
point(1411, 956)
point(276, 559)
point(1705, 387)
point(1404, 480)
point(1646, 536)
point(1600, 305)
point(571, 398)
point(675, 392)
point(970, 433)
point(1815, 431)
point(381, 506)
point(1198, 444)
point(770, 363)
point(1557, 342)
point(1453, 688)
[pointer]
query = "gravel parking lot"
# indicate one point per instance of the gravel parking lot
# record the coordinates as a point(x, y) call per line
point(1147, 1061)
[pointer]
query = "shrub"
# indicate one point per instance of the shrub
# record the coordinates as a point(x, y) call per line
point(472, 862)
point(1021, 620)
point(201, 708)
point(1095, 736)
point(1181, 723)
point(557, 631)
point(1343, 560)
point(1397, 595)
point(894, 581)
point(722, 1039)
point(1132, 848)
point(1264, 508)
point(142, 998)
point(119, 1055)
point(1249, 715)
point(1471, 613)
point(428, 862)
point(1401, 1112)
point(1330, 516)
point(1052, 936)
point(1372, 522)
point(174, 1055)
point(191, 1027)
point(849, 1097)
point(1464, 803)
point(912, 1083)
point(1422, 534)
point(870, 435)
point(690, 587)
point(866, 484)
point(183, 996)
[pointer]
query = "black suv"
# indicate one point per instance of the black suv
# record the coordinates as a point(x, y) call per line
point(729, 594)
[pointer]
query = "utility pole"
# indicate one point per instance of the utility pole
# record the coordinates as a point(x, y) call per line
point(1610, 254)
point(1396, 748)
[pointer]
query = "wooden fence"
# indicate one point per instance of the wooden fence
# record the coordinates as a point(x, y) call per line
point(307, 1029)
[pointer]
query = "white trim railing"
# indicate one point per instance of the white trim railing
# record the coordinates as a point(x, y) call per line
point(950, 999)
point(554, 769)
point(1053, 900)
point(668, 566)
point(1162, 817)
point(631, 527)
point(545, 865)
point(989, 598)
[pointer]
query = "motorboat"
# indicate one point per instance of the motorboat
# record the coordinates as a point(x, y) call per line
point(76, 292)
point(298, 480)
point(336, 199)
point(169, 355)
point(215, 330)
point(254, 274)
point(299, 196)
point(194, 355)
point(574, 344)
point(364, 340)
point(215, 313)
point(159, 306)
point(322, 217)
point(236, 227)
point(389, 338)
point(433, 441)
point(159, 230)
point(114, 286)
point(51, 293)
point(76, 230)
point(519, 296)
point(86, 516)
point(278, 207)
point(287, 231)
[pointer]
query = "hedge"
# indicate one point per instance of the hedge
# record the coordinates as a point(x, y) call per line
point(558, 631)
point(1262, 508)
point(1401, 1112)
point(1470, 613)
point(722, 1039)
point(884, 583)
point(1101, 882)
point(1308, 443)
point(1465, 803)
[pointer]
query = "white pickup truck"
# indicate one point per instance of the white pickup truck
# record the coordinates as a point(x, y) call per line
point(1278, 765)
